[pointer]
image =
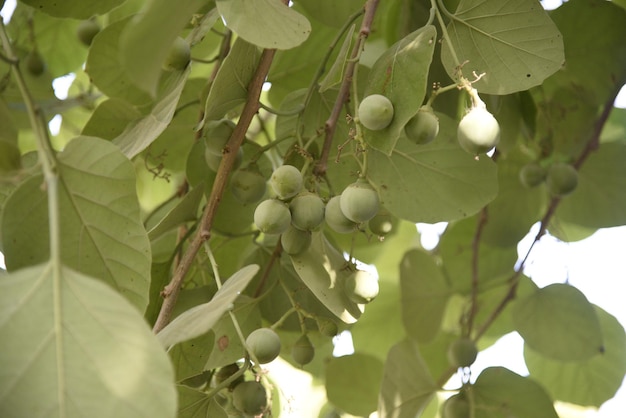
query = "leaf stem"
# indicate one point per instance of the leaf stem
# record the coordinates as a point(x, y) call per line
point(439, 6)
point(331, 123)
point(482, 221)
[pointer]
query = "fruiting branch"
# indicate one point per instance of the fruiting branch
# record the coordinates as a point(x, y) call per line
point(203, 233)
point(331, 123)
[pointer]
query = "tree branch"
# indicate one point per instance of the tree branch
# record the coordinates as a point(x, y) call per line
point(172, 290)
point(331, 123)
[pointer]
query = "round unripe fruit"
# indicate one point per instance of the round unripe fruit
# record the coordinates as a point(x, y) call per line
point(375, 112)
point(382, 224)
point(34, 63)
point(216, 135)
point(250, 398)
point(462, 353)
point(178, 56)
point(264, 344)
point(303, 351)
point(286, 181)
point(272, 217)
point(295, 241)
point(248, 186)
point(359, 201)
point(335, 218)
point(455, 406)
point(532, 175)
point(423, 127)
point(478, 131)
point(307, 211)
point(87, 30)
point(327, 326)
point(562, 179)
point(361, 287)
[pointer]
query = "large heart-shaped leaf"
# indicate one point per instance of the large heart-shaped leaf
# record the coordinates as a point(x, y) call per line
point(514, 44)
point(101, 230)
point(73, 347)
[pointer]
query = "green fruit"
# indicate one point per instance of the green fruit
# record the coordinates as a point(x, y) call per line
point(562, 179)
point(303, 351)
point(382, 223)
point(307, 211)
point(264, 344)
point(286, 181)
point(335, 218)
point(327, 326)
point(226, 372)
point(423, 127)
point(478, 131)
point(456, 406)
point(250, 398)
point(375, 112)
point(361, 287)
point(462, 352)
point(532, 175)
point(359, 201)
point(178, 56)
point(272, 216)
point(216, 135)
point(248, 186)
point(295, 241)
point(34, 63)
point(87, 30)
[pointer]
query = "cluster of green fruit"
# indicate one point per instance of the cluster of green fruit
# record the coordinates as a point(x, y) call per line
point(560, 178)
point(248, 397)
point(477, 132)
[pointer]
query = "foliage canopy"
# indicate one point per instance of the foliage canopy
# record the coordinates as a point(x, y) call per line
point(136, 262)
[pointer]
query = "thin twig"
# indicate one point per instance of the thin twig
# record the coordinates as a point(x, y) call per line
point(482, 221)
point(331, 123)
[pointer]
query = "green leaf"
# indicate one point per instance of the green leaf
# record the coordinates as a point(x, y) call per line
point(144, 65)
point(334, 76)
point(140, 133)
point(72, 347)
point(559, 323)
point(600, 195)
point(190, 356)
point(434, 182)
point(590, 382)
point(76, 9)
point(265, 23)
point(110, 118)
point(407, 385)
point(353, 382)
point(185, 211)
point(199, 319)
point(516, 208)
point(106, 70)
point(227, 347)
point(322, 268)
point(495, 264)
point(424, 293)
point(331, 12)
point(400, 74)
point(193, 403)
point(515, 44)
point(230, 87)
point(9, 151)
point(101, 232)
point(498, 392)
point(601, 42)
